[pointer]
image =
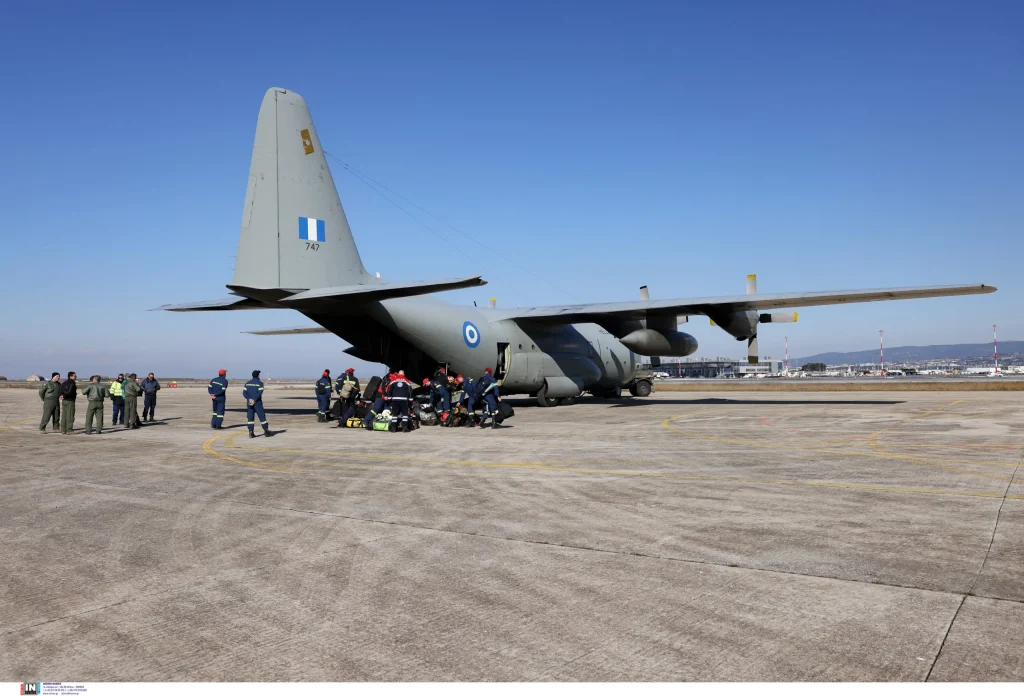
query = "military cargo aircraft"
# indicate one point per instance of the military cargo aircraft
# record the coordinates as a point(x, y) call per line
point(296, 251)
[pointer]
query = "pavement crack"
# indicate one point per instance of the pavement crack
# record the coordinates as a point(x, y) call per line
point(949, 628)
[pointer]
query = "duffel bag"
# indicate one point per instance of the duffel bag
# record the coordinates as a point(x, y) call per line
point(381, 424)
point(355, 423)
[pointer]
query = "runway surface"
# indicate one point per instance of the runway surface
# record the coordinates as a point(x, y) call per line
point(742, 536)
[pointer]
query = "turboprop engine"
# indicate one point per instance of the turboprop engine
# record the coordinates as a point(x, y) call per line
point(743, 325)
point(661, 343)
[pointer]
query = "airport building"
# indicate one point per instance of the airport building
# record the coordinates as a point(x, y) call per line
point(710, 368)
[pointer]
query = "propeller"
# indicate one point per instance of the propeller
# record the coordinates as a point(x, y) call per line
point(766, 318)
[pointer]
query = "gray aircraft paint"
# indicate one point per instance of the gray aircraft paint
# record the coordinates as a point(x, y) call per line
point(551, 351)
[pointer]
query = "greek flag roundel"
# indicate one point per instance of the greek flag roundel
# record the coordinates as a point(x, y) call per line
point(471, 334)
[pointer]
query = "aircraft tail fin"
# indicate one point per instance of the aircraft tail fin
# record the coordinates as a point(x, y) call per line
point(294, 232)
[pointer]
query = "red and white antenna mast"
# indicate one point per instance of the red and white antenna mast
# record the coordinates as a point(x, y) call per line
point(881, 351)
point(995, 347)
point(787, 355)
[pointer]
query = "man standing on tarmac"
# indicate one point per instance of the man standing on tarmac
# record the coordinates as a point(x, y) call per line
point(149, 389)
point(218, 391)
point(348, 391)
point(49, 394)
point(68, 392)
point(117, 398)
point(96, 393)
point(132, 391)
point(399, 401)
point(253, 393)
point(323, 396)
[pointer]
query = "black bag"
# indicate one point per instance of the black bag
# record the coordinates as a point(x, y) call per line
point(504, 411)
point(370, 392)
point(361, 410)
point(427, 415)
point(336, 409)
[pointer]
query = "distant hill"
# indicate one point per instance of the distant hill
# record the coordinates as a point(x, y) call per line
point(909, 353)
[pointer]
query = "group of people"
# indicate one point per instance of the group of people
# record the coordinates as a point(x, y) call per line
point(59, 401)
point(452, 400)
point(252, 391)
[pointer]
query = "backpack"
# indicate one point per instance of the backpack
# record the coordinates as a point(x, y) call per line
point(347, 389)
point(370, 391)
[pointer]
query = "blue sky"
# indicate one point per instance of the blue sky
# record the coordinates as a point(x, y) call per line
point(601, 145)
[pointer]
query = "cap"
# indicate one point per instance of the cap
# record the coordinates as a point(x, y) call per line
point(351, 369)
point(222, 372)
point(488, 370)
point(441, 369)
point(459, 377)
point(255, 373)
point(426, 382)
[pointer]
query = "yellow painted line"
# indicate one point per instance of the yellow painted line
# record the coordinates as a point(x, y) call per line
point(600, 472)
point(668, 425)
point(23, 420)
point(919, 416)
point(208, 448)
point(930, 462)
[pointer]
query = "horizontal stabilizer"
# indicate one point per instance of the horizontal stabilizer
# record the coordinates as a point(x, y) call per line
point(225, 304)
point(285, 332)
point(382, 291)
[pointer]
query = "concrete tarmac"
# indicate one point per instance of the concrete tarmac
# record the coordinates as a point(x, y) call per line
point(743, 536)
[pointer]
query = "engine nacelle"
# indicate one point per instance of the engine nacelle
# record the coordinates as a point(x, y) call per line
point(660, 343)
point(739, 324)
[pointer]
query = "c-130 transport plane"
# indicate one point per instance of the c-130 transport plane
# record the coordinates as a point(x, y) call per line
point(296, 251)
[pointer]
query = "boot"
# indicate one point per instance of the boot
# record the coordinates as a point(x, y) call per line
point(267, 433)
point(252, 434)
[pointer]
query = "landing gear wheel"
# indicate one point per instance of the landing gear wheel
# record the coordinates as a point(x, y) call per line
point(641, 388)
point(546, 402)
point(567, 401)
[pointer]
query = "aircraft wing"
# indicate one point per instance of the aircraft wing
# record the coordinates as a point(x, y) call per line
point(286, 332)
point(571, 314)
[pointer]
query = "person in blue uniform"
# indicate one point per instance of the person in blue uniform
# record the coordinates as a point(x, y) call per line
point(399, 396)
point(487, 392)
point(378, 401)
point(323, 396)
point(347, 389)
point(253, 393)
point(218, 391)
point(440, 396)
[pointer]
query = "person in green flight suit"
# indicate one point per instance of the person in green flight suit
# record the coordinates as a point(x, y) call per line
point(96, 393)
point(49, 394)
point(132, 392)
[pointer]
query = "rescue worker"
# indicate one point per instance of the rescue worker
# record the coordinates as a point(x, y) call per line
point(132, 391)
point(439, 392)
point(68, 392)
point(487, 391)
point(399, 396)
point(348, 390)
point(218, 391)
point(469, 398)
point(323, 396)
point(116, 389)
point(149, 389)
point(95, 393)
point(253, 393)
point(378, 402)
point(49, 394)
